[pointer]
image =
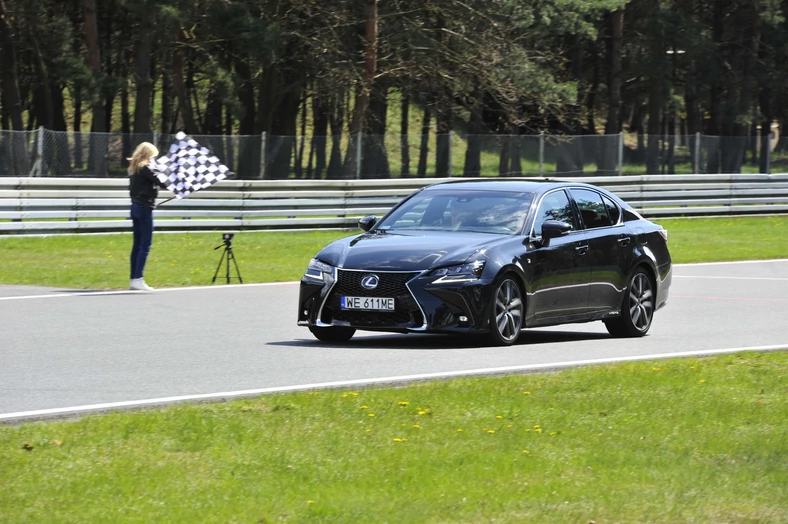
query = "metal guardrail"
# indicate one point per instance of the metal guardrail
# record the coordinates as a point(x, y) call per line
point(34, 205)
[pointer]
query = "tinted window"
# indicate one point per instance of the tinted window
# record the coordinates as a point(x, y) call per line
point(554, 206)
point(612, 210)
point(592, 210)
point(462, 210)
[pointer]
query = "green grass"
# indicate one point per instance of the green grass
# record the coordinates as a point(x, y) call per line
point(188, 259)
point(680, 440)
point(101, 261)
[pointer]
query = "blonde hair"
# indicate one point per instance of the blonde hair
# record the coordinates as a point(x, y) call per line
point(141, 156)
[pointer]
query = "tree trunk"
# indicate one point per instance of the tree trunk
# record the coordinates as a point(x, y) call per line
point(403, 136)
point(179, 84)
point(363, 92)
point(336, 120)
point(613, 124)
point(473, 153)
point(443, 137)
point(375, 162)
point(320, 116)
point(14, 148)
point(143, 113)
point(424, 147)
point(97, 159)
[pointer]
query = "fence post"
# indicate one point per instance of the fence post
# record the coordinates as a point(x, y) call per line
point(768, 153)
point(262, 155)
point(620, 153)
point(696, 167)
point(541, 154)
point(358, 155)
point(156, 138)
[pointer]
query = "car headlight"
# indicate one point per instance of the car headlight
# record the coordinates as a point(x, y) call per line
point(316, 268)
point(461, 273)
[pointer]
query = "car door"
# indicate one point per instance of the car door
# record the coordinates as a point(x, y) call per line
point(609, 249)
point(559, 272)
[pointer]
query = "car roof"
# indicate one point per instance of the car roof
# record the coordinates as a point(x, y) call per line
point(519, 185)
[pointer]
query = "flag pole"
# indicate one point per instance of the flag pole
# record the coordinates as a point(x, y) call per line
point(160, 203)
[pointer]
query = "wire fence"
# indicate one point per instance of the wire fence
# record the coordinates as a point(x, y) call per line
point(43, 152)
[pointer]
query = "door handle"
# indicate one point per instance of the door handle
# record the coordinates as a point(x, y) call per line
point(624, 241)
point(581, 250)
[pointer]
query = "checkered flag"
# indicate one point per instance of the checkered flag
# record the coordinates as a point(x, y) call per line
point(188, 167)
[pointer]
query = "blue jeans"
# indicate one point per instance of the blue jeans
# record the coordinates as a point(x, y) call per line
point(142, 228)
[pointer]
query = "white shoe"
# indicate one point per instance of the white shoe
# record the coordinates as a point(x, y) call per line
point(138, 284)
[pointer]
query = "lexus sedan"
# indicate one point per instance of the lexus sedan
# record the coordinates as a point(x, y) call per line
point(491, 258)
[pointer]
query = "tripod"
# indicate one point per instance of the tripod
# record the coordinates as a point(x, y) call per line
point(228, 250)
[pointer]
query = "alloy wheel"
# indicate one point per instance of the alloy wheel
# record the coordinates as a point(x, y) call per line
point(641, 302)
point(508, 311)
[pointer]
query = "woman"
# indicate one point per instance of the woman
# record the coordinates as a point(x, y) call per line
point(143, 189)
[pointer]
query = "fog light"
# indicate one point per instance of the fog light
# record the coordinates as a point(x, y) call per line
point(462, 319)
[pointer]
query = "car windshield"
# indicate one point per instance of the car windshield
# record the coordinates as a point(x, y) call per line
point(498, 212)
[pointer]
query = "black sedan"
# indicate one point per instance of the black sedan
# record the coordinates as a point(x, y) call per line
point(492, 258)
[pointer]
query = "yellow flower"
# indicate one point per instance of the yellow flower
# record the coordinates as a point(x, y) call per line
point(416, 426)
point(490, 431)
point(364, 407)
point(526, 452)
point(310, 501)
point(396, 439)
point(403, 403)
point(537, 426)
point(654, 369)
point(553, 433)
point(422, 412)
point(526, 392)
point(498, 416)
point(702, 380)
point(510, 425)
point(538, 430)
point(370, 414)
point(459, 430)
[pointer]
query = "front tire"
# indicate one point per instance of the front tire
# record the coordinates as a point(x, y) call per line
point(332, 333)
point(637, 308)
point(506, 313)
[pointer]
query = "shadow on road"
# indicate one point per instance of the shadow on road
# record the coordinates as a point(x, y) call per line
point(438, 342)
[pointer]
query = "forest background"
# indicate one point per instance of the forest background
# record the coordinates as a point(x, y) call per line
point(333, 88)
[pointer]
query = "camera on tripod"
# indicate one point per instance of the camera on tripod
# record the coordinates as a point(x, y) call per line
point(227, 256)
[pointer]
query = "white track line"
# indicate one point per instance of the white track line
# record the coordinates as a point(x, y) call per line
point(40, 413)
point(67, 293)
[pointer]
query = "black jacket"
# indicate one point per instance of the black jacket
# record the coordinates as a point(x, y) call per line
point(144, 187)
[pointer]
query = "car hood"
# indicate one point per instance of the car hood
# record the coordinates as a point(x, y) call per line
point(412, 251)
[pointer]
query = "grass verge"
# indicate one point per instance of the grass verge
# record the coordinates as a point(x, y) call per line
point(682, 440)
point(188, 259)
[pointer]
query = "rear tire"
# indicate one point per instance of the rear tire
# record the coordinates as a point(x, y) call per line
point(506, 313)
point(637, 308)
point(332, 333)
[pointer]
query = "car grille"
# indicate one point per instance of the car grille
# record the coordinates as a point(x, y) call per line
point(406, 313)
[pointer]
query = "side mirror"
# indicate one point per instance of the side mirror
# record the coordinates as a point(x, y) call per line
point(367, 222)
point(554, 228)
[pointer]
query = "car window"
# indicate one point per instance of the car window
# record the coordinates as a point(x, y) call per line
point(554, 206)
point(612, 210)
point(454, 210)
point(592, 209)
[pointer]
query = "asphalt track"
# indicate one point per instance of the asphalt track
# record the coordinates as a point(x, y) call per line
point(64, 351)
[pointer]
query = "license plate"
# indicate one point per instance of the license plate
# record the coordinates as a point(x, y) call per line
point(368, 303)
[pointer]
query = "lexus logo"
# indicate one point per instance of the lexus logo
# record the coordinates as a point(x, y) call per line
point(370, 282)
